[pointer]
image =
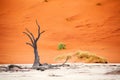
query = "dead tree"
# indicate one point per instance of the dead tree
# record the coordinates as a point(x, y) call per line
point(33, 44)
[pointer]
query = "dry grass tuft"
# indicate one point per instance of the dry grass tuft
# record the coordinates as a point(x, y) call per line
point(82, 56)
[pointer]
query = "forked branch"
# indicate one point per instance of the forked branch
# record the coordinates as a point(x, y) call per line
point(39, 33)
point(29, 37)
point(32, 37)
point(29, 44)
point(66, 60)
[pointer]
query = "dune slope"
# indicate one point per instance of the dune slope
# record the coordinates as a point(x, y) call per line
point(80, 24)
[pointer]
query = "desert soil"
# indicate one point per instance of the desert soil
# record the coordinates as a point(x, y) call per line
point(76, 71)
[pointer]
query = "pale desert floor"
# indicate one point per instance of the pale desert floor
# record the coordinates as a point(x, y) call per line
point(76, 71)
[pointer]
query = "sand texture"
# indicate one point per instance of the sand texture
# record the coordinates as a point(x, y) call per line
point(88, 25)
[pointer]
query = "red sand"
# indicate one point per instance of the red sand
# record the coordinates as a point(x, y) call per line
point(80, 24)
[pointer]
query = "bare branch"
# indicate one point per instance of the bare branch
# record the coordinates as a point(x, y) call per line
point(38, 36)
point(42, 32)
point(29, 37)
point(29, 44)
point(65, 60)
point(38, 25)
point(30, 34)
point(39, 33)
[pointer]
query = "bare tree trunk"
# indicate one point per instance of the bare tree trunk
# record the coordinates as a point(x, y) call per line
point(33, 44)
point(36, 58)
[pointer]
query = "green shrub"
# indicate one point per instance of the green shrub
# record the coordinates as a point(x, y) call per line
point(61, 46)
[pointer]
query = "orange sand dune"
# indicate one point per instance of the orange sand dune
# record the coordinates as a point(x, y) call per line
point(81, 24)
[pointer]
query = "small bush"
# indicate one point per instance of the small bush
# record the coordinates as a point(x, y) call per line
point(61, 46)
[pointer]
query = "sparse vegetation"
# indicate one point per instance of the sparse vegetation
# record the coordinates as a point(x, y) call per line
point(61, 46)
point(82, 56)
point(90, 58)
